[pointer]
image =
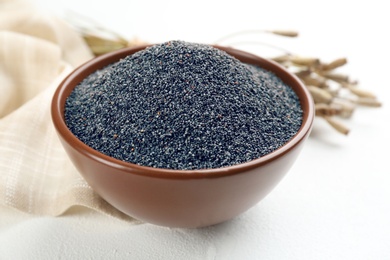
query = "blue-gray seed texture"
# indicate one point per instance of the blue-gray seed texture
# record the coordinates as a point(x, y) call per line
point(186, 106)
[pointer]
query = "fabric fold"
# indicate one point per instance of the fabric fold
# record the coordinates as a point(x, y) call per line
point(37, 52)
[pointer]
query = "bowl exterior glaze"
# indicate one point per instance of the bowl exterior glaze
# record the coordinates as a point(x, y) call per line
point(177, 198)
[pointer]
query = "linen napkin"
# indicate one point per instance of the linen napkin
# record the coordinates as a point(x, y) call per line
point(37, 51)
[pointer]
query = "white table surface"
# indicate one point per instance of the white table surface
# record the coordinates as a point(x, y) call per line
point(335, 201)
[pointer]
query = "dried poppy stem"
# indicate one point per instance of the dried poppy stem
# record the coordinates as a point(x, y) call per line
point(340, 78)
point(370, 102)
point(287, 33)
point(346, 107)
point(341, 128)
point(326, 110)
point(303, 73)
point(282, 58)
point(305, 61)
point(320, 95)
point(100, 46)
point(360, 92)
point(334, 64)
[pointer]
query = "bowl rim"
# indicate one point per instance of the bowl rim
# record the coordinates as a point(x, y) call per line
point(67, 85)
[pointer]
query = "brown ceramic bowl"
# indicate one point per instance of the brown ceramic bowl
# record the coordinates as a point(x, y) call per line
point(178, 198)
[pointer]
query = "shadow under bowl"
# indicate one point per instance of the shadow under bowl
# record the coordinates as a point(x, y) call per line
point(180, 198)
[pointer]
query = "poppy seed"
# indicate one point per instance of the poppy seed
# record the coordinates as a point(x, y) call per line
point(186, 106)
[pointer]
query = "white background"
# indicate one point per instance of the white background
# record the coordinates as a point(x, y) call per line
point(335, 201)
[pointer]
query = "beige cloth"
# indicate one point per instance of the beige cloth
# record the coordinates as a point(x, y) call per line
point(36, 52)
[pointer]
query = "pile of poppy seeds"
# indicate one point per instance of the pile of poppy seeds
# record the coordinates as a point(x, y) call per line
point(185, 106)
